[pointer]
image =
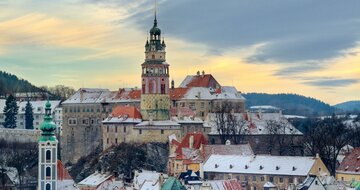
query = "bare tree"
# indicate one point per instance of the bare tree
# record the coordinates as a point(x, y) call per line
point(327, 137)
point(229, 125)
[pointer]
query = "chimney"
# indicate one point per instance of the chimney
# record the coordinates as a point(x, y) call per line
point(317, 156)
point(191, 142)
point(172, 84)
point(198, 73)
point(81, 94)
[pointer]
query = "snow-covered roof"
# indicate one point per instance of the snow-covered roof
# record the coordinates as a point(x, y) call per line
point(121, 120)
point(269, 185)
point(264, 107)
point(226, 92)
point(158, 123)
point(261, 164)
point(95, 179)
point(294, 116)
point(256, 123)
point(188, 120)
point(186, 81)
point(95, 95)
point(38, 106)
point(147, 180)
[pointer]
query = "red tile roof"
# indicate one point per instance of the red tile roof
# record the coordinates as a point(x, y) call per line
point(177, 93)
point(199, 139)
point(62, 173)
point(128, 94)
point(182, 112)
point(206, 80)
point(131, 111)
point(351, 162)
point(232, 185)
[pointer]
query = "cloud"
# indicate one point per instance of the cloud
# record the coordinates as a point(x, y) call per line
point(331, 82)
point(293, 30)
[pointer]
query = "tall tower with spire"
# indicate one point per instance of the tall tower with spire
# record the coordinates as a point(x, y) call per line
point(155, 99)
point(48, 145)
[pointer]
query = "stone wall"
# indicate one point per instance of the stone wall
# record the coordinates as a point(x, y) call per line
point(19, 135)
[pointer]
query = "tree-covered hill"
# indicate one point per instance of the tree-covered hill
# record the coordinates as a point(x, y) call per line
point(350, 106)
point(12, 84)
point(292, 104)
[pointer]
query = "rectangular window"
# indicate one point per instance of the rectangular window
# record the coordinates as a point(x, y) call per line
point(254, 178)
point(281, 179)
point(162, 88)
point(107, 141)
point(271, 179)
point(116, 141)
point(115, 129)
point(202, 104)
point(291, 180)
point(162, 131)
point(107, 128)
point(124, 129)
point(262, 178)
point(140, 132)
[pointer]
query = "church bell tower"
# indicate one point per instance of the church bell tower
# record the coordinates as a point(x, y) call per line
point(48, 144)
point(155, 99)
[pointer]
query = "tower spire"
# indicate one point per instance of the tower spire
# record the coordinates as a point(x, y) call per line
point(155, 20)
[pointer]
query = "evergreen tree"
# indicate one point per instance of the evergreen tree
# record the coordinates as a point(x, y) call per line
point(29, 117)
point(10, 110)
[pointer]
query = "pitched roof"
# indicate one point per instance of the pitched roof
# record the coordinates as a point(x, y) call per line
point(231, 184)
point(271, 165)
point(130, 111)
point(62, 173)
point(95, 179)
point(206, 80)
point(241, 149)
point(198, 140)
point(351, 163)
point(177, 93)
point(172, 184)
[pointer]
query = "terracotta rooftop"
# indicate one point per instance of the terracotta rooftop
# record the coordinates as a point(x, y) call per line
point(202, 80)
point(62, 173)
point(351, 163)
point(130, 111)
point(199, 139)
point(177, 93)
point(128, 94)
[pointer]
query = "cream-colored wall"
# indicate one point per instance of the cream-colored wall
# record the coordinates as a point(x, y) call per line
point(319, 168)
point(132, 134)
point(347, 177)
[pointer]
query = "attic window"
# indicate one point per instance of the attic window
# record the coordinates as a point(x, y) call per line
point(246, 166)
point(346, 168)
point(216, 166)
point(293, 168)
point(277, 167)
point(261, 167)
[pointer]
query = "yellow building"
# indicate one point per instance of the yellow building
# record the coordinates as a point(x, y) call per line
point(349, 169)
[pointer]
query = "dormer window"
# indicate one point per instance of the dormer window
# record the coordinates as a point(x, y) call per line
point(261, 167)
point(231, 166)
point(216, 166)
point(293, 168)
point(246, 166)
point(277, 167)
point(346, 168)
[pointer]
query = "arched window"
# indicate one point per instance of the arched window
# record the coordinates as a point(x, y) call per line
point(48, 186)
point(48, 172)
point(48, 155)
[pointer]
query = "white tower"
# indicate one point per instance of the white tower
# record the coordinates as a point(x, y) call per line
point(47, 177)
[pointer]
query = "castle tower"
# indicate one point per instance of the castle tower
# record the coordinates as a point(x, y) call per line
point(155, 99)
point(47, 176)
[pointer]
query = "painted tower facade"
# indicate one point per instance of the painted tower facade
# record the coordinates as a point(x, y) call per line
point(47, 176)
point(155, 99)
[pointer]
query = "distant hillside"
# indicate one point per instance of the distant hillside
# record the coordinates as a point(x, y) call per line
point(11, 84)
point(292, 104)
point(350, 106)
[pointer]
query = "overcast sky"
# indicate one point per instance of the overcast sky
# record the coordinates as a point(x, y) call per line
point(305, 47)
